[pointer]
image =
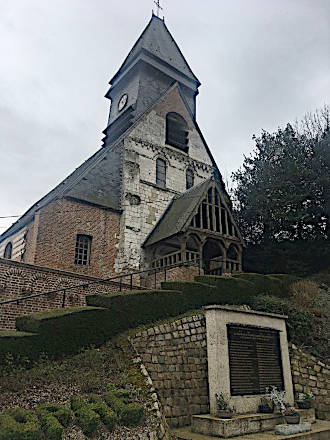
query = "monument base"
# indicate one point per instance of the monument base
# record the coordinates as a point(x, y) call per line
point(320, 431)
point(243, 423)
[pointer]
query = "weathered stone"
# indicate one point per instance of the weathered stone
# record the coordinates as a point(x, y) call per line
point(292, 429)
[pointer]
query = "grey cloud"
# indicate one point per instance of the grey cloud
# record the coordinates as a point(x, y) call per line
point(261, 63)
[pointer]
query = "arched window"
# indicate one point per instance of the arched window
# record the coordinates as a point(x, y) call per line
point(177, 131)
point(161, 172)
point(189, 178)
point(83, 250)
point(8, 250)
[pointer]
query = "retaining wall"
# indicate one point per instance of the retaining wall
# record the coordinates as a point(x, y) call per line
point(20, 279)
point(175, 356)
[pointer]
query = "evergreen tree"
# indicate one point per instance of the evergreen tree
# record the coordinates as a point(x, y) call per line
point(282, 194)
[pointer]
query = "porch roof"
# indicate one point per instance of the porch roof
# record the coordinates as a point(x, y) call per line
point(178, 213)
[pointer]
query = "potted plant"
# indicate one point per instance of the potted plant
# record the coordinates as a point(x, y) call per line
point(266, 406)
point(304, 400)
point(225, 411)
point(290, 414)
point(275, 397)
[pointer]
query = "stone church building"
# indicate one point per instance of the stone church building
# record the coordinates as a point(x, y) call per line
point(152, 196)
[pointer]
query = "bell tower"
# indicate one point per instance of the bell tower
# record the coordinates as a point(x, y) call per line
point(153, 65)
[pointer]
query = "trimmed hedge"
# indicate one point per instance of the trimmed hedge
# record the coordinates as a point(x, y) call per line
point(256, 284)
point(19, 424)
point(66, 331)
point(60, 332)
point(213, 290)
point(140, 307)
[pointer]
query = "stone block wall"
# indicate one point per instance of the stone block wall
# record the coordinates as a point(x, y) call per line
point(311, 375)
point(175, 357)
point(20, 279)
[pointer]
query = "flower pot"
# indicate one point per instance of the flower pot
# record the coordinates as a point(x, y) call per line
point(225, 414)
point(293, 419)
point(304, 404)
point(265, 409)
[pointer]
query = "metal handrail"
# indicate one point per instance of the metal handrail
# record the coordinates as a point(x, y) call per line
point(106, 280)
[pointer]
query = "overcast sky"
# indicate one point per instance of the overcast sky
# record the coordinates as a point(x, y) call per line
point(262, 63)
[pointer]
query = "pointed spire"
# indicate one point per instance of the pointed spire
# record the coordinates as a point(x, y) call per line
point(157, 42)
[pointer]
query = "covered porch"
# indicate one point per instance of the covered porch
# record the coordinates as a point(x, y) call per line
point(197, 227)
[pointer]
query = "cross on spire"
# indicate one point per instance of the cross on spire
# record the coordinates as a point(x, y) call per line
point(157, 3)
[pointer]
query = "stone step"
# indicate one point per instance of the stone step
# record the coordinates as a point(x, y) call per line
point(242, 424)
point(320, 431)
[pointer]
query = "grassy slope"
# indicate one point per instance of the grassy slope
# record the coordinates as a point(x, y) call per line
point(91, 371)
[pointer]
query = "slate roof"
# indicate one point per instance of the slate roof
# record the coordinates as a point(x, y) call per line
point(178, 213)
point(92, 176)
point(157, 41)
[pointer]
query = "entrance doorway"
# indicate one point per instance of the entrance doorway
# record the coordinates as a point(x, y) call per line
point(212, 256)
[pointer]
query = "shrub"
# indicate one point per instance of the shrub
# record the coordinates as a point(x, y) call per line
point(60, 332)
point(117, 404)
point(300, 323)
point(148, 306)
point(51, 427)
point(209, 290)
point(87, 419)
point(76, 402)
point(19, 424)
point(132, 414)
point(108, 417)
point(60, 412)
point(65, 331)
point(304, 293)
point(129, 413)
point(89, 414)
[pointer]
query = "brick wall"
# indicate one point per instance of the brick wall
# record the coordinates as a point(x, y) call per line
point(311, 375)
point(184, 273)
point(55, 239)
point(20, 279)
point(175, 357)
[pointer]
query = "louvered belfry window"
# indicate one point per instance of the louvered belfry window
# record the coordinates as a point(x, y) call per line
point(255, 360)
point(83, 250)
point(177, 131)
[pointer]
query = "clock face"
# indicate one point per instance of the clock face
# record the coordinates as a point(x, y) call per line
point(122, 102)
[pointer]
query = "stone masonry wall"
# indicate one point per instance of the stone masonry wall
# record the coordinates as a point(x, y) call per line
point(20, 279)
point(311, 375)
point(144, 202)
point(175, 357)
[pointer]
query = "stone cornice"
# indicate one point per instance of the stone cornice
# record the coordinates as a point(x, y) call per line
point(172, 154)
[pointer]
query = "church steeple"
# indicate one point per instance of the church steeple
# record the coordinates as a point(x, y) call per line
point(151, 67)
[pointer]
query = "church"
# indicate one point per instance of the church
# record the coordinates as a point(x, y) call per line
point(152, 196)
